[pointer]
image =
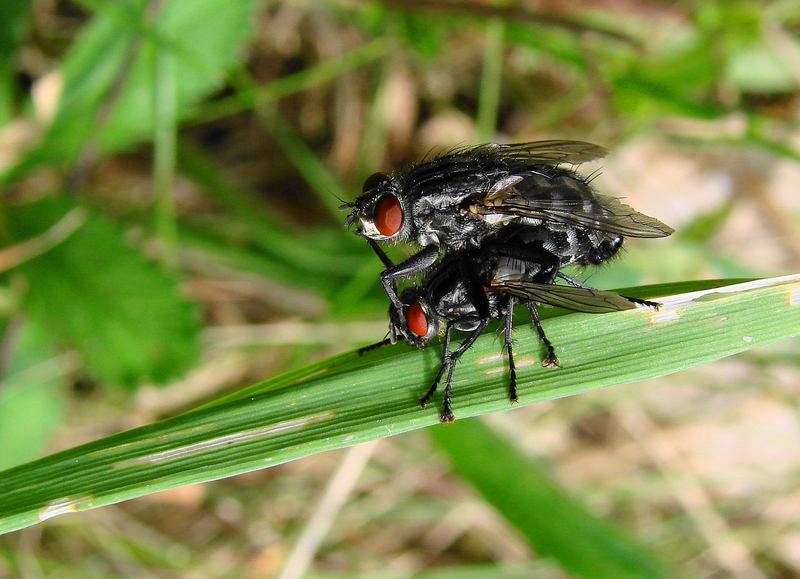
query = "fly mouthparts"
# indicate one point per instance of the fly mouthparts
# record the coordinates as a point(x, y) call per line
point(347, 205)
point(348, 221)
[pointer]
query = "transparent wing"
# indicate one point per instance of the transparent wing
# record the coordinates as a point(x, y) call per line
point(567, 199)
point(579, 299)
point(545, 152)
point(494, 160)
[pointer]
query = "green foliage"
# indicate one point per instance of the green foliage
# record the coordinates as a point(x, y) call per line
point(556, 525)
point(418, 32)
point(672, 82)
point(109, 71)
point(583, 73)
point(760, 70)
point(559, 45)
point(704, 226)
point(30, 395)
point(350, 399)
point(13, 15)
point(206, 39)
point(94, 293)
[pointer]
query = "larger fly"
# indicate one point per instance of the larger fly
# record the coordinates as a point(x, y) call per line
point(454, 202)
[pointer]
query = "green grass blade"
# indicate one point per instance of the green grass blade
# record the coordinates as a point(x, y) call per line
point(523, 570)
point(320, 178)
point(346, 400)
point(263, 229)
point(555, 524)
point(164, 154)
point(306, 79)
point(491, 81)
point(13, 25)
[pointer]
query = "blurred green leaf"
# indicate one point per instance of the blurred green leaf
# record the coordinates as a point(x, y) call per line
point(323, 182)
point(30, 396)
point(562, 45)
point(255, 239)
point(730, 23)
point(349, 399)
point(122, 313)
point(703, 227)
point(13, 17)
point(760, 70)
point(421, 33)
point(679, 82)
point(13, 14)
point(555, 524)
point(109, 72)
point(206, 38)
point(91, 68)
point(324, 72)
point(524, 570)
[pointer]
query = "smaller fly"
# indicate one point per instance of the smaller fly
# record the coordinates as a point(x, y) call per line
point(454, 202)
point(471, 288)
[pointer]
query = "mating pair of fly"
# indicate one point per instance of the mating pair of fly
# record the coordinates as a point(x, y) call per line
point(496, 224)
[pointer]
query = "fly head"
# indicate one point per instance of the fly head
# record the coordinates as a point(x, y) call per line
point(382, 211)
point(418, 323)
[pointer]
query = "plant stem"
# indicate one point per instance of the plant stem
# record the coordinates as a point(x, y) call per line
point(165, 112)
point(490, 81)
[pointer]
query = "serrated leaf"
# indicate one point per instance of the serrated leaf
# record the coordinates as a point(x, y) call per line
point(112, 62)
point(205, 37)
point(98, 295)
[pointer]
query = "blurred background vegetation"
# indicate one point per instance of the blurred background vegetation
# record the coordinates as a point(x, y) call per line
point(171, 171)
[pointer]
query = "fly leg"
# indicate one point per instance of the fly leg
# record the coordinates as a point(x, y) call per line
point(380, 253)
point(552, 359)
point(447, 411)
point(648, 303)
point(509, 343)
point(577, 283)
point(375, 346)
point(572, 281)
point(391, 291)
point(449, 360)
point(445, 362)
point(414, 264)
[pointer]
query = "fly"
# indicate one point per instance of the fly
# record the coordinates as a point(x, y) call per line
point(454, 202)
point(473, 287)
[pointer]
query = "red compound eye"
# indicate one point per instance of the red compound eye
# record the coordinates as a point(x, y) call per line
point(388, 215)
point(416, 320)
